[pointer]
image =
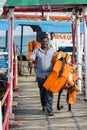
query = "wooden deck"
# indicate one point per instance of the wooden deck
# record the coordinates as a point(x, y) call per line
point(29, 111)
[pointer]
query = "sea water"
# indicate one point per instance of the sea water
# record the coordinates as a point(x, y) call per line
point(17, 41)
point(26, 39)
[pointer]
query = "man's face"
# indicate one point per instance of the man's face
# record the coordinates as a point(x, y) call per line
point(44, 43)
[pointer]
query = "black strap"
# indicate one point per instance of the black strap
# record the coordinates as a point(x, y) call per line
point(63, 60)
point(33, 45)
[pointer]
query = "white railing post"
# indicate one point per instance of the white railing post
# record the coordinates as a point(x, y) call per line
point(79, 71)
point(10, 52)
point(0, 116)
point(85, 45)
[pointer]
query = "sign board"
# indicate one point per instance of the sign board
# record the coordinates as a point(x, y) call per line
point(64, 40)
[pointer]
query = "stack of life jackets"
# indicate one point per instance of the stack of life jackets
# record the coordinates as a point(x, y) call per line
point(31, 47)
point(63, 76)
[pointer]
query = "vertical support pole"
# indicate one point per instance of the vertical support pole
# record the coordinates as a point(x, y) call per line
point(15, 69)
point(0, 116)
point(6, 39)
point(73, 41)
point(85, 45)
point(10, 53)
point(21, 46)
point(48, 18)
point(7, 107)
point(79, 71)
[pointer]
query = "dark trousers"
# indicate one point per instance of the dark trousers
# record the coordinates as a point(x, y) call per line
point(46, 96)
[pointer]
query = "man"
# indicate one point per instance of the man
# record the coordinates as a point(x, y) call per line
point(53, 43)
point(43, 58)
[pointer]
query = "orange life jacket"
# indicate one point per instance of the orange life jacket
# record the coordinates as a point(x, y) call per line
point(61, 54)
point(55, 83)
point(31, 47)
point(71, 97)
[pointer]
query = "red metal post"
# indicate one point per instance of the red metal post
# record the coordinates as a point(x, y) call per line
point(73, 41)
point(14, 73)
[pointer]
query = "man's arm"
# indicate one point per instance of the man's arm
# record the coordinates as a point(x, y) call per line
point(32, 58)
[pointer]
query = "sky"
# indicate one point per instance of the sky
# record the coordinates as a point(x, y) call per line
point(1, 5)
point(27, 31)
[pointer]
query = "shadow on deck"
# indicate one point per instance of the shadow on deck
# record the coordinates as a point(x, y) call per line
point(29, 111)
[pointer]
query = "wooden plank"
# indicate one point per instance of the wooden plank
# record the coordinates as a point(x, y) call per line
point(29, 111)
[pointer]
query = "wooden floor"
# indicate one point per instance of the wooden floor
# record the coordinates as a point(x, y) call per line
point(29, 111)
